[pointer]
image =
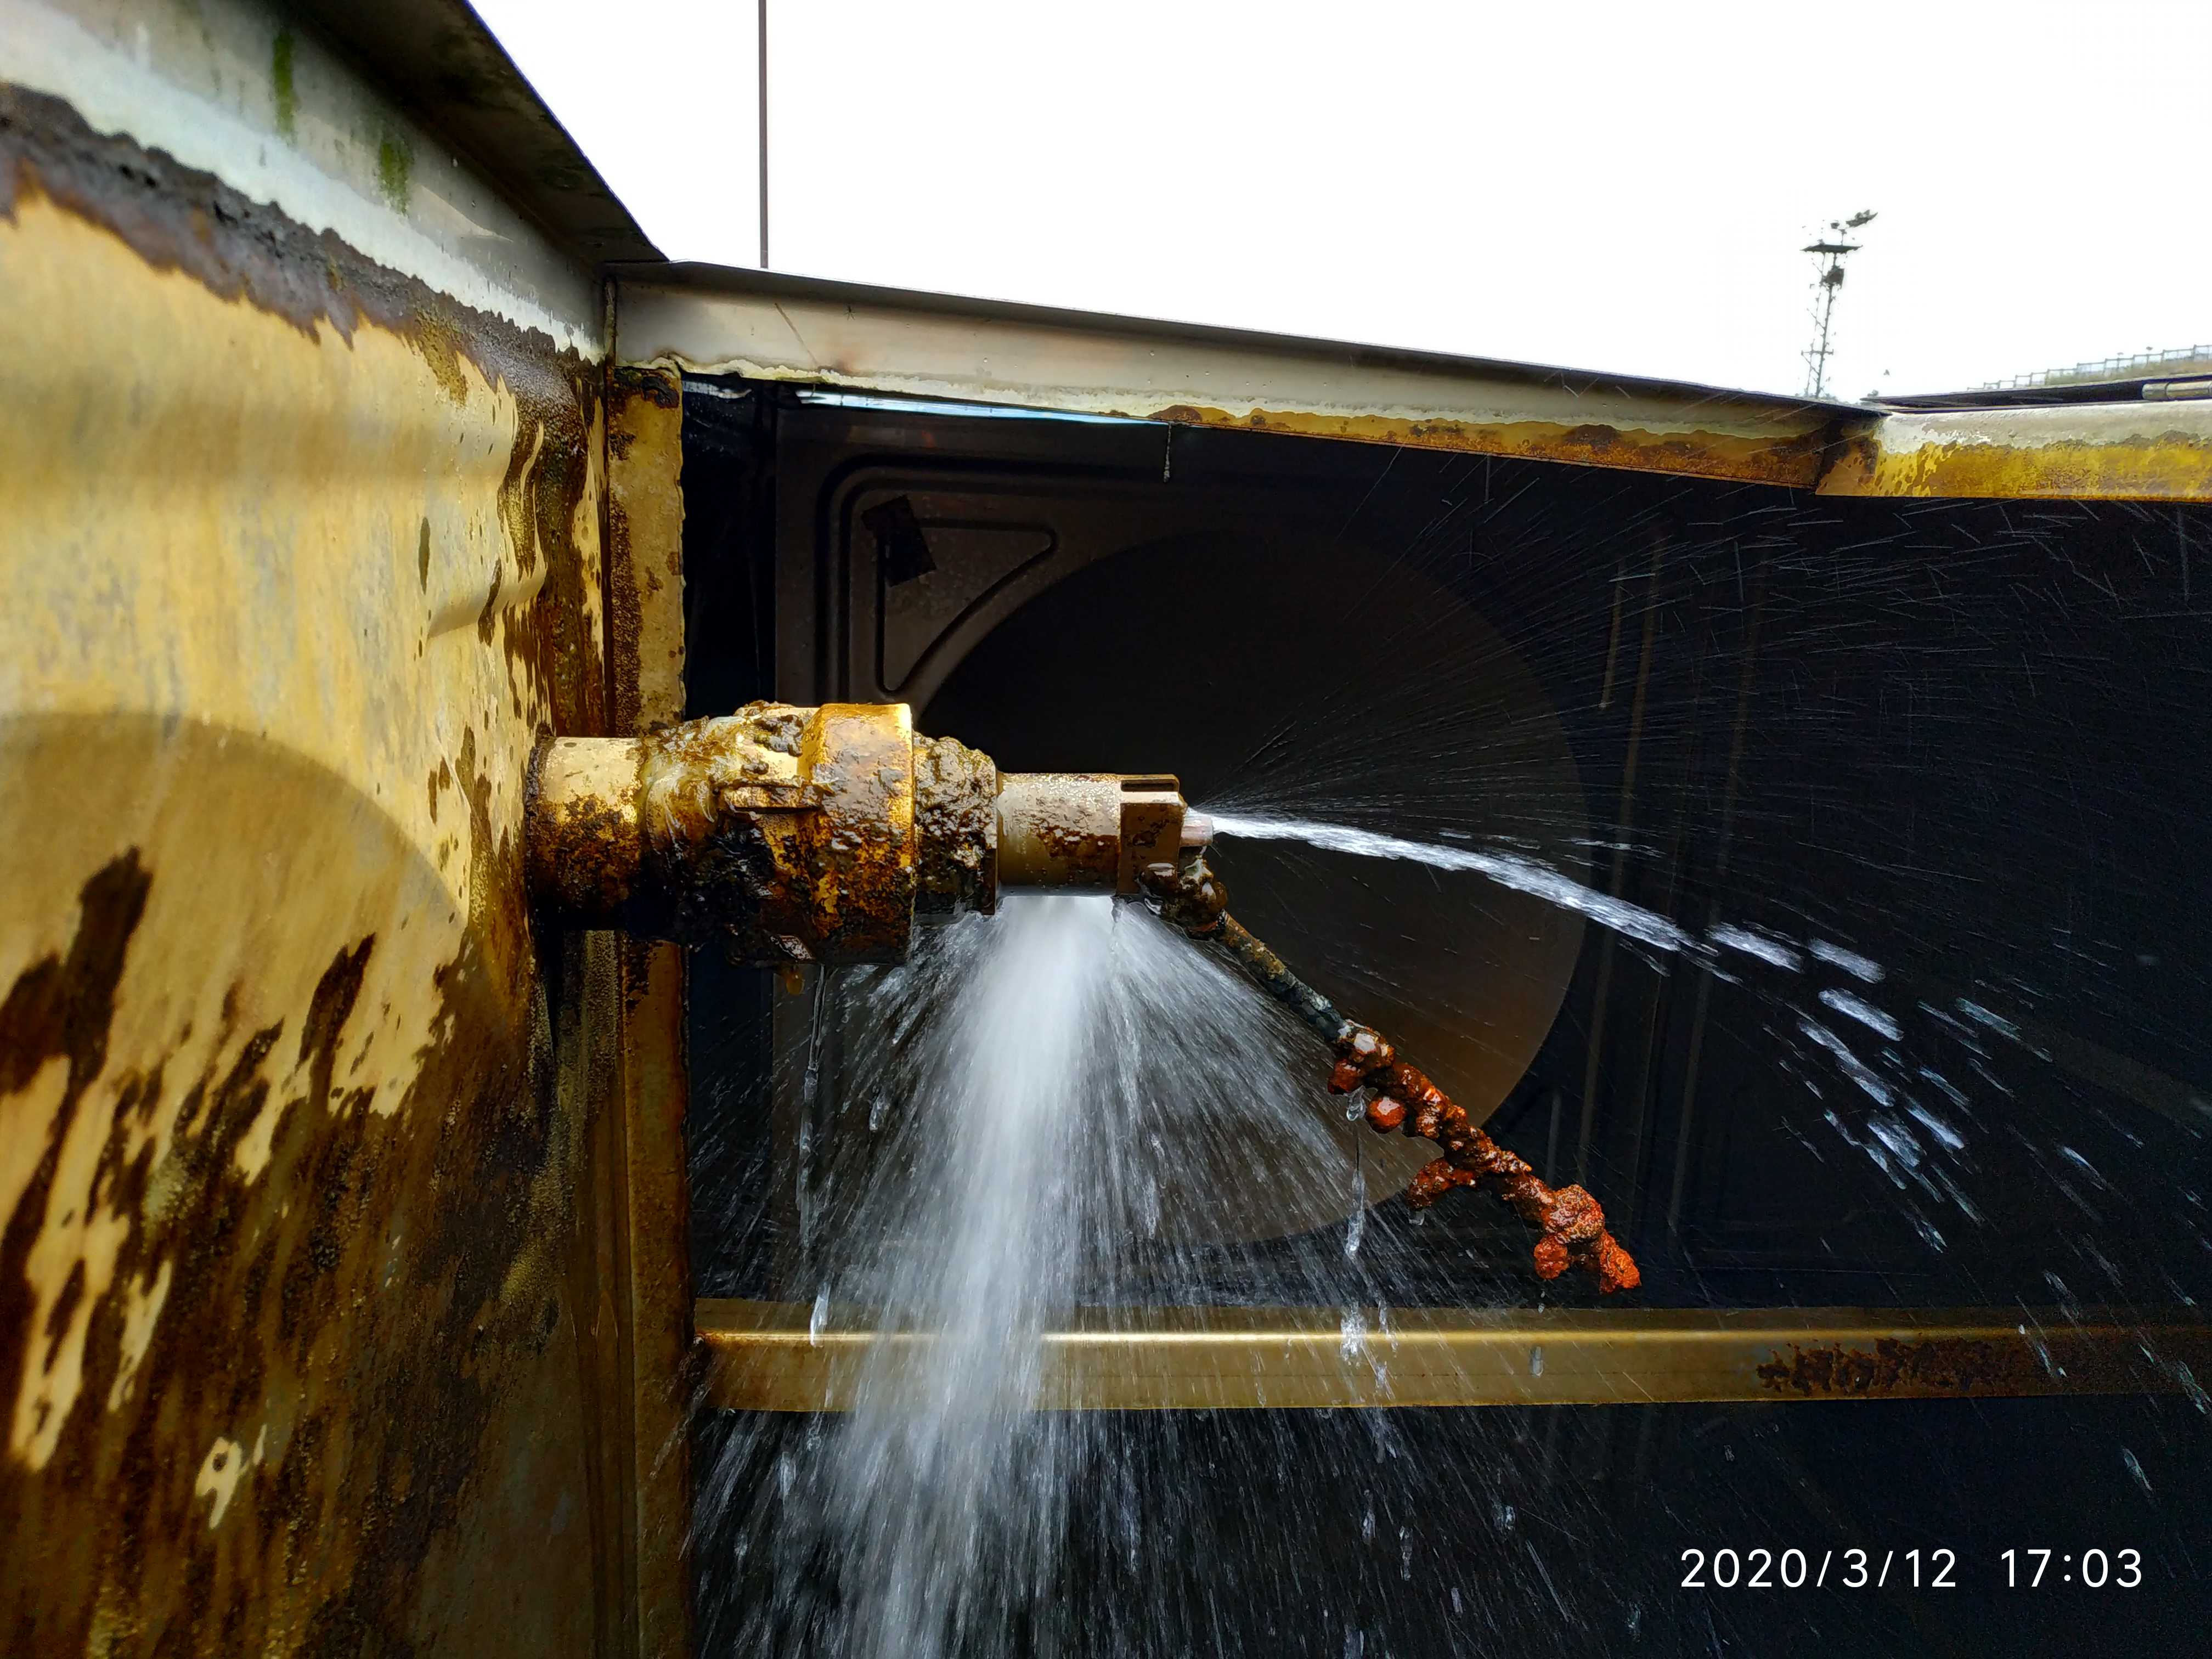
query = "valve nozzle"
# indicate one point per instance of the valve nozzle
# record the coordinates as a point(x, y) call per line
point(1088, 832)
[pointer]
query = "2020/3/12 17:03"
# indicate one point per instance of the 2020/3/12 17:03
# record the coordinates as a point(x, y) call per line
point(2031, 1569)
point(1860, 1569)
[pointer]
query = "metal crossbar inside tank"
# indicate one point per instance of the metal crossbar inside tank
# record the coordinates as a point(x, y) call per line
point(779, 1357)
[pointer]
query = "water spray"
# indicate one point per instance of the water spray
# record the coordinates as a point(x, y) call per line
point(790, 835)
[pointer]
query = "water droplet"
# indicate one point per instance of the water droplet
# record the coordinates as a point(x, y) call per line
point(2135, 1469)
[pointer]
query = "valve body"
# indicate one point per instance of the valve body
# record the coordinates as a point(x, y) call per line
point(818, 835)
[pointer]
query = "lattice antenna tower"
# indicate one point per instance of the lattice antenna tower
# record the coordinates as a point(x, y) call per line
point(1832, 250)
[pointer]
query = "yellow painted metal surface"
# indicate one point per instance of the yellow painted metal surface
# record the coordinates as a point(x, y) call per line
point(645, 544)
point(779, 1357)
point(804, 332)
point(308, 1338)
point(2143, 451)
point(645, 580)
point(785, 329)
point(246, 90)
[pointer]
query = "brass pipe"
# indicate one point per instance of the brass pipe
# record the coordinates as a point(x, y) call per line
point(1088, 832)
point(791, 834)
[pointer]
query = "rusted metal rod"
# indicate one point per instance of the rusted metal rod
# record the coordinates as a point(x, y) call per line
point(1569, 1222)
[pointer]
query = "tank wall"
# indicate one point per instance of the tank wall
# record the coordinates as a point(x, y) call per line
point(313, 1304)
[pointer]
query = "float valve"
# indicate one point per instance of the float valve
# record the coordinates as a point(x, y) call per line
point(818, 835)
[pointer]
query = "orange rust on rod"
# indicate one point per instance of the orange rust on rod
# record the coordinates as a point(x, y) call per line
point(1789, 460)
point(2098, 1355)
point(1569, 1222)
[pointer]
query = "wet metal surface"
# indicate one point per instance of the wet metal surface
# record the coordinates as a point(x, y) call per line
point(2155, 451)
point(303, 1339)
point(955, 795)
point(781, 834)
point(785, 835)
point(1086, 831)
point(648, 1218)
point(772, 1356)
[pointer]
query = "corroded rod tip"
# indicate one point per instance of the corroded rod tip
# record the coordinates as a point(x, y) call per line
point(1190, 897)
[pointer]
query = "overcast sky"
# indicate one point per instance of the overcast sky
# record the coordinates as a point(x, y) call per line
point(1607, 186)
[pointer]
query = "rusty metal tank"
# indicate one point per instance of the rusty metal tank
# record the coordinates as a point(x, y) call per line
point(345, 1270)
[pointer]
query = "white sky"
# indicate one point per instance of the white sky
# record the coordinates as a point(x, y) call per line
point(1619, 186)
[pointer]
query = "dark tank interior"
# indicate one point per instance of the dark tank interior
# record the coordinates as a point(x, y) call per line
point(1923, 776)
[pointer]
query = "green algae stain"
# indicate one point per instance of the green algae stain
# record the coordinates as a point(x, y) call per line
point(280, 81)
point(395, 160)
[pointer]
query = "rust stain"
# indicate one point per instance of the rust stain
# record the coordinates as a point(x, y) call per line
point(1935, 1365)
point(690, 832)
point(181, 219)
point(713, 832)
point(645, 546)
point(365, 1300)
point(1061, 829)
point(859, 848)
point(1098, 857)
point(1794, 461)
point(59, 1008)
point(956, 816)
point(594, 847)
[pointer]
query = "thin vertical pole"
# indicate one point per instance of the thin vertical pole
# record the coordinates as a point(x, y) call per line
point(763, 132)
